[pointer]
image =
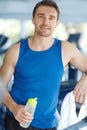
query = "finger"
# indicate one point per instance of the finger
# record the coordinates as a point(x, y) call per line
point(76, 94)
point(85, 99)
point(80, 97)
point(25, 117)
point(26, 113)
point(25, 121)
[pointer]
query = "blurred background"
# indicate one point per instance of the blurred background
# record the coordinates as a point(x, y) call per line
point(16, 24)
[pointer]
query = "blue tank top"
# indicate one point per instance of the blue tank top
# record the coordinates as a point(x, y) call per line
point(39, 74)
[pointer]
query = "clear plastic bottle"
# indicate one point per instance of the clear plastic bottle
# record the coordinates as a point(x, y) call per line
point(30, 107)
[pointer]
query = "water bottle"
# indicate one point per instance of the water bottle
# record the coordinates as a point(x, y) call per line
point(30, 107)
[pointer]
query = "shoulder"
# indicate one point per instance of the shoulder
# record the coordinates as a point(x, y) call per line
point(69, 51)
point(13, 50)
point(69, 47)
point(14, 47)
point(65, 44)
point(12, 54)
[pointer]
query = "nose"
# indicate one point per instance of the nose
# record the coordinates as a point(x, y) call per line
point(45, 21)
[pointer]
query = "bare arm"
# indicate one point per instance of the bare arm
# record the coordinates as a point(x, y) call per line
point(73, 56)
point(6, 71)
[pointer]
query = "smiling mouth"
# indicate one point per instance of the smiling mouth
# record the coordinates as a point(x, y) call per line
point(45, 28)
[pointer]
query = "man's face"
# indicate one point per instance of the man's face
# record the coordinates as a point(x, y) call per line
point(45, 20)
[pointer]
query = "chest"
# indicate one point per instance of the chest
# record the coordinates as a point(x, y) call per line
point(39, 65)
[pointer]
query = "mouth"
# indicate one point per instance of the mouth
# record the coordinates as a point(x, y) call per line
point(44, 28)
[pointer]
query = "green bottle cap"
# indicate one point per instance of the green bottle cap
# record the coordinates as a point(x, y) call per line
point(32, 101)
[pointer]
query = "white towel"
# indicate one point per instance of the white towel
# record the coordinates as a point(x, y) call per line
point(68, 114)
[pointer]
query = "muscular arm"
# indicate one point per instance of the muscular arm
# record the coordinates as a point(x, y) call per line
point(73, 56)
point(6, 71)
point(79, 60)
point(80, 91)
point(70, 54)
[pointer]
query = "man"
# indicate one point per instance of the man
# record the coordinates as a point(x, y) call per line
point(38, 65)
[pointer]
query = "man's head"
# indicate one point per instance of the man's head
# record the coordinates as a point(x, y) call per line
point(49, 3)
point(45, 17)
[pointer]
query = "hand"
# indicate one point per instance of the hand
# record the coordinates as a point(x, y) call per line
point(21, 115)
point(80, 91)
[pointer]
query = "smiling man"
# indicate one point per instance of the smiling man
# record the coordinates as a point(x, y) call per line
point(38, 65)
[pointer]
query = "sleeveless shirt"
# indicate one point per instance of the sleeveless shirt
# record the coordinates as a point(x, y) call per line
point(39, 74)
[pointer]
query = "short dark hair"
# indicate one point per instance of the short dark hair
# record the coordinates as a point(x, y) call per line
point(50, 3)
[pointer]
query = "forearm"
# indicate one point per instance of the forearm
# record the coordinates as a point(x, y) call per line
point(9, 102)
point(80, 91)
point(19, 112)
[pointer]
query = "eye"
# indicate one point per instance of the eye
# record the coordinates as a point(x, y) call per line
point(52, 18)
point(40, 16)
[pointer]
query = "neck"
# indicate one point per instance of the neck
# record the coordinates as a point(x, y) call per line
point(40, 43)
